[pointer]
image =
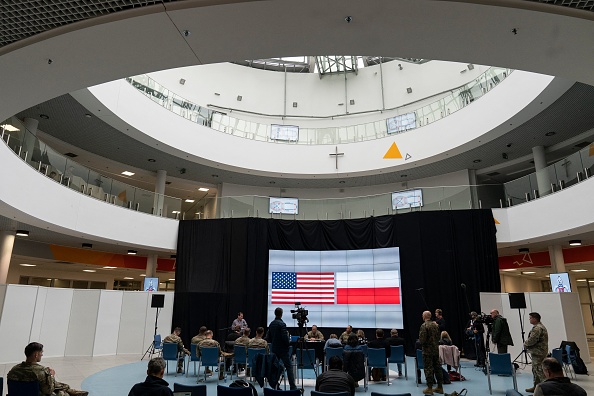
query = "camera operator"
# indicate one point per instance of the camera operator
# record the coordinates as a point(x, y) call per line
point(279, 336)
point(501, 335)
point(476, 329)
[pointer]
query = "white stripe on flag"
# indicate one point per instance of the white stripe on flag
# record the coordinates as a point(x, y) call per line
point(367, 279)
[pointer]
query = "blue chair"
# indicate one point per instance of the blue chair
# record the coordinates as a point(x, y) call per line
point(226, 391)
point(316, 393)
point(391, 394)
point(567, 361)
point(294, 338)
point(376, 358)
point(398, 356)
point(332, 352)
point(196, 390)
point(22, 388)
point(512, 392)
point(275, 392)
point(239, 357)
point(193, 358)
point(500, 364)
point(252, 355)
point(157, 345)
point(170, 353)
point(308, 358)
point(418, 366)
point(209, 356)
point(364, 349)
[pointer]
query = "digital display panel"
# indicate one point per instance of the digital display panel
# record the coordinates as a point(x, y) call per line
point(338, 287)
point(401, 123)
point(560, 282)
point(407, 199)
point(283, 205)
point(289, 133)
point(151, 284)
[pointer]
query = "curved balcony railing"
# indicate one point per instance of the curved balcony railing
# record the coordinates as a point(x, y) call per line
point(70, 174)
point(447, 104)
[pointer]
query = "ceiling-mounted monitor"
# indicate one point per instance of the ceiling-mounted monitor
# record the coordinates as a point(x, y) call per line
point(401, 123)
point(284, 205)
point(287, 133)
point(407, 199)
point(560, 282)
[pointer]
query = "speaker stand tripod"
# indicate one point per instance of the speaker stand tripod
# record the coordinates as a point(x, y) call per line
point(524, 353)
point(151, 349)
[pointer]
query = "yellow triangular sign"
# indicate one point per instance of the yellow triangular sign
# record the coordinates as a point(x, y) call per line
point(496, 222)
point(393, 152)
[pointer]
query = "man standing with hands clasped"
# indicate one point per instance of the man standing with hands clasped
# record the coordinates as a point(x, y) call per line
point(537, 344)
point(429, 339)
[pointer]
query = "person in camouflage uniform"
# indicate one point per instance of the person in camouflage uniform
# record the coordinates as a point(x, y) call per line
point(181, 349)
point(537, 345)
point(30, 370)
point(344, 337)
point(200, 336)
point(429, 339)
point(258, 341)
point(208, 342)
point(314, 334)
point(245, 338)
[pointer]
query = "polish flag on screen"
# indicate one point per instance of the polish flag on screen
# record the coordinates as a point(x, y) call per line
point(379, 287)
point(303, 287)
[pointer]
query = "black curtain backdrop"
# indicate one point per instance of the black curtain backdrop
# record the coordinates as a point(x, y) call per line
point(222, 265)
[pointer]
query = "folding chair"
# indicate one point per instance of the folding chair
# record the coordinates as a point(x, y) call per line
point(226, 391)
point(567, 361)
point(376, 358)
point(22, 388)
point(197, 390)
point(239, 357)
point(418, 366)
point(398, 356)
point(209, 356)
point(157, 345)
point(500, 363)
point(170, 353)
point(332, 352)
point(308, 358)
point(193, 358)
point(316, 393)
point(391, 394)
point(275, 392)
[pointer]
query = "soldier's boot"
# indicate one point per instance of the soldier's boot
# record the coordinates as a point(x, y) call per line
point(530, 390)
point(428, 391)
point(74, 392)
point(439, 389)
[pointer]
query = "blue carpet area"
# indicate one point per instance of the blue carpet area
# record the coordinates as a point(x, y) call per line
point(118, 381)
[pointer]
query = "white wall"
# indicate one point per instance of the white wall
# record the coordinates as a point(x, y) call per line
point(560, 314)
point(72, 322)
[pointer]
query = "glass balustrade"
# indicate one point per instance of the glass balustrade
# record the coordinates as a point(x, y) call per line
point(69, 173)
point(562, 174)
point(444, 105)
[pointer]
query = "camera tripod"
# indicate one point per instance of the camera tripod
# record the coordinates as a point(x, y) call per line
point(151, 349)
point(301, 345)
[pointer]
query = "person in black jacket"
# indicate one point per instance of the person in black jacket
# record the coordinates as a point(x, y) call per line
point(381, 342)
point(279, 337)
point(396, 340)
point(154, 384)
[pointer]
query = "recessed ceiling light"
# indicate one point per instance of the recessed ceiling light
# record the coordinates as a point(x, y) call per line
point(476, 161)
point(88, 115)
point(22, 233)
point(132, 252)
point(44, 116)
point(215, 175)
point(175, 211)
point(109, 267)
point(142, 274)
point(152, 160)
point(272, 182)
point(341, 182)
point(171, 279)
point(581, 280)
point(89, 271)
point(204, 189)
point(592, 281)
point(127, 277)
point(28, 265)
point(579, 270)
point(189, 200)
point(575, 242)
point(128, 173)
point(550, 133)
point(509, 269)
point(9, 128)
point(87, 245)
point(528, 272)
point(49, 279)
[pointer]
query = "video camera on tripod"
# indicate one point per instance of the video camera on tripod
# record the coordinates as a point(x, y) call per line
point(300, 314)
point(485, 319)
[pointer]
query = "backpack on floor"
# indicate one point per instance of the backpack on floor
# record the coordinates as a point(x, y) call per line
point(456, 376)
point(239, 383)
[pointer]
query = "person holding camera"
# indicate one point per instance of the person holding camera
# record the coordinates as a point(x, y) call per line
point(501, 336)
point(475, 329)
point(279, 337)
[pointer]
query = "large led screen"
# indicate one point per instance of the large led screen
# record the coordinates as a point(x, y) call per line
point(338, 287)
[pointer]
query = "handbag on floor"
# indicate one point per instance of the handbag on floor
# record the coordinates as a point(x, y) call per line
point(463, 392)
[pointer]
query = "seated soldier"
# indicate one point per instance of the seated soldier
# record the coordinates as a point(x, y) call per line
point(314, 334)
point(181, 350)
point(258, 341)
point(196, 340)
point(244, 339)
point(335, 380)
point(30, 370)
point(154, 384)
point(208, 342)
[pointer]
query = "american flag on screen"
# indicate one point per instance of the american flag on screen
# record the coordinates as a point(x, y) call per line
point(303, 287)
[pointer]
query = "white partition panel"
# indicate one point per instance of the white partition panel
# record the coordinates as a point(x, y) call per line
point(83, 322)
point(56, 316)
point(38, 314)
point(164, 322)
point(16, 321)
point(133, 319)
point(2, 294)
point(548, 305)
point(574, 323)
point(108, 323)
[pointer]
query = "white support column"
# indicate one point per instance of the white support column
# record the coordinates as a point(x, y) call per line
point(557, 261)
point(6, 245)
point(542, 177)
point(160, 193)
point(151, 265)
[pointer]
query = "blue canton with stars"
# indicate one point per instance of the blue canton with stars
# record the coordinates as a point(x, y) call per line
point(284, 280)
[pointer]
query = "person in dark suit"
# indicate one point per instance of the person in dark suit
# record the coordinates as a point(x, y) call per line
point(380, 342)
point(440, 320)
point(396, 340)
point(279, 337)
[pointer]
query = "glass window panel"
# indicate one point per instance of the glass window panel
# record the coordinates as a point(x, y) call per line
point(65, 283)
point(98, 285)
point(78, 284)
point(41, 282)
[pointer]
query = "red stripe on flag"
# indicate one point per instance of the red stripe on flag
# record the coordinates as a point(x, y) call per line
point(369, 295)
